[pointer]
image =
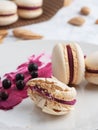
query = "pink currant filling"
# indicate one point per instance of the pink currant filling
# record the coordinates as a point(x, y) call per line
point(15, 96)
point(92, 71)
point(29, 8)
point(71, 63)
point(5, 15)
point(47, 95)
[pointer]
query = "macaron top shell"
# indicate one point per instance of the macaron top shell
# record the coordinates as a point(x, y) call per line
point(58, 63)
point(50, 80)
point(92, 61)
point(7, 7)
point(29, 3)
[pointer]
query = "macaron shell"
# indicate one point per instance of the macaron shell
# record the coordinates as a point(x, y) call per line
point(52, 112)
point(60, 68)
point(8, 20)
point(50, 107)
point(7, 7)
point(41, 103)
point(79, 64)
point(29, 14)
point(91, 61)
point(91, 78)
point(29, 3)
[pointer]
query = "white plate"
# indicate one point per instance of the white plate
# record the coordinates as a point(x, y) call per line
point(26, 115)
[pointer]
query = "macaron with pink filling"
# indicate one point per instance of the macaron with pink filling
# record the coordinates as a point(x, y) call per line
point(51, 95)
point(29, 9)
point(91, 63)
point(8, 12)
point(68, 63)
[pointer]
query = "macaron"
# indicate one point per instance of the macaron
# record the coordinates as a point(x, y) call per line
point(8, 12)
point(51, 95)
point(29, 9)
point(91, 65)
point(68, 63)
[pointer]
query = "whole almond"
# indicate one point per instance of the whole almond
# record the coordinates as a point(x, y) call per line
point(4, 32)
point(96, 22)
point(85, 11)
point(77, 21)
point(67, 2)
point(1, 38)
point(26, 34)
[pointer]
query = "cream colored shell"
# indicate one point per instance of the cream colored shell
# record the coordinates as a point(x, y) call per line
point(7, 7)
point(29, 14)
point(8, 20)
point(29, 3)
point(91, 61)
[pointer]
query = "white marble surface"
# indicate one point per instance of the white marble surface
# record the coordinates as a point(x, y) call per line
point(85, 116)
point(58, 29)
point(26, 116)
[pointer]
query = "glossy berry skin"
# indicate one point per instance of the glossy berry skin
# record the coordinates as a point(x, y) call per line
point(32, 67)
point(20, 84)
point(4, 96)
point(6, 83)
point(19, 77)
point(34, 74)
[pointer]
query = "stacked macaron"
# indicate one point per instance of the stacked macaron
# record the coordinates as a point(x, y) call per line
point(51, 95)
point(68, 63)
point(29, 9)
point(91, 63)
point(8, 13)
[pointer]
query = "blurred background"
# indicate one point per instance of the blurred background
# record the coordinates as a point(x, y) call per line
point(58, 27)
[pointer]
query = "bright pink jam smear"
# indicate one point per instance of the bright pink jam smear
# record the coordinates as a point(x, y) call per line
point(16, 96)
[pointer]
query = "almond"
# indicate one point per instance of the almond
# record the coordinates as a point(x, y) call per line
point(67, 2)
point(26, 34)
point(77, 21)
point(85, 10)
point(96, 22)
point(4, 33)
point(1, 38)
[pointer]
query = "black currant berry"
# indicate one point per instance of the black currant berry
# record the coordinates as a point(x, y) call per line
point(34, 74)
point(20, 84)
point(4, 96)
point(6, 83)
point(19, 77)
point(32, 67)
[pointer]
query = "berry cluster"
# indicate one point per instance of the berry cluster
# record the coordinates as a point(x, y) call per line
point(33, 68)
point(19, 80)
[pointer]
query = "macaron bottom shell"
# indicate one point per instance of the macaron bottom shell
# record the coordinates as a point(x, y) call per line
point(50, 107)
point(91, 78)
point(7, 20)
point(79, 63)
point(29, 14)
